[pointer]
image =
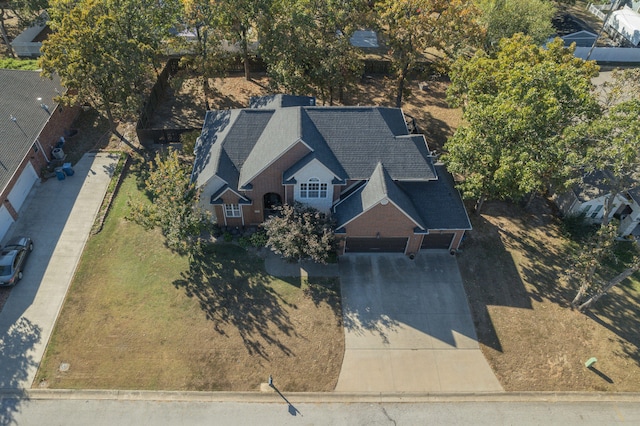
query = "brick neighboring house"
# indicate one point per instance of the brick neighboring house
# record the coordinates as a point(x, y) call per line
point(360, 164)
point(31, 124)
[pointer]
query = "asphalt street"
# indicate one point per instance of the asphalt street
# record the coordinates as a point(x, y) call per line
point(123, 413)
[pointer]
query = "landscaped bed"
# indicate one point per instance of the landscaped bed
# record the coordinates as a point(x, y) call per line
point(141, 317)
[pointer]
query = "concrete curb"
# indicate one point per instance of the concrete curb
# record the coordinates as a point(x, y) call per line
point(313, 397)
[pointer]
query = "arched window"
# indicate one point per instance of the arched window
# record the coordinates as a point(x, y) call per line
point(313, 188)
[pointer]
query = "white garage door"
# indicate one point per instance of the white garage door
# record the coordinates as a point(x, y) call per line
point(22, 187)
point(5, 221)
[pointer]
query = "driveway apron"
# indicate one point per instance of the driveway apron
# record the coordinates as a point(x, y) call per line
point(58, 216)
point(408, 327)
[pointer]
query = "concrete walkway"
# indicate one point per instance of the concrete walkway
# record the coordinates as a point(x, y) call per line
point(58, 216)
point(408, 327)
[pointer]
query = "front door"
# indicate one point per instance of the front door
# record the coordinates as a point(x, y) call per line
point(271, 202)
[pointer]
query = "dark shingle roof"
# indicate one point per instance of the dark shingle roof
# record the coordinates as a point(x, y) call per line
point(380, 189)
point(19, 91)
point(438, 202)
point(227, 139)
point(236, 145)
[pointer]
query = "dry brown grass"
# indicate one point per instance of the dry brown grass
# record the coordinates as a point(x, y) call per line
point(514, 265)
point(141, 317)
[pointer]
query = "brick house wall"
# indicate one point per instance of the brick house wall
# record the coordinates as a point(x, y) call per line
point(61, 119)
point(387, 221)
point(270, 180)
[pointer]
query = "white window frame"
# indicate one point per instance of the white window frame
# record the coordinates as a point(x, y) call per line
point(314, 189)
point(595, 212)
point(232, 210)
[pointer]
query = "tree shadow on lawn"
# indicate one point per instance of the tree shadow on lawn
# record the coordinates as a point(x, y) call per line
point(233, 289)
point(618, 312)
point(325, 291)
point(491, 276)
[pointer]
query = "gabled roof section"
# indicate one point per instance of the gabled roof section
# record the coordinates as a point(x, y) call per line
point(227, 139)
point(216, 195)
point(360, 137)
point(380, 189)
point(305, 161)
point(237, 145)
point(19, 93)
point(279, 135)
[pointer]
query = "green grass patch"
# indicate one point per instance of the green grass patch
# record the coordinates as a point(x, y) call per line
point(139, 316)
point(19, 64)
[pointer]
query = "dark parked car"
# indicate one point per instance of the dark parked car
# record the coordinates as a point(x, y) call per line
point(12, 259)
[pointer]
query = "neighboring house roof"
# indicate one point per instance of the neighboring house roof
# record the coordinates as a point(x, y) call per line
point(594, 185)
point(627, 22)
point(380, 189)
point(635, 194)
point(236, 145)
point(364, 39)
point(580, 38)
point(20, 92)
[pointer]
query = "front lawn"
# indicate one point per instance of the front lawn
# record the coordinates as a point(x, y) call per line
point(514, 265)
point(138, 316)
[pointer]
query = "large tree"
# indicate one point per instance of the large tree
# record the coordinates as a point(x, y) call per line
point(613, 140)
point(307, 49)
point(240, 19)
point(517, 106)
point(504, 18)
point(300, 232)
point(173, 202)
point(104, 51)
point(412, 27)
point(203, 16)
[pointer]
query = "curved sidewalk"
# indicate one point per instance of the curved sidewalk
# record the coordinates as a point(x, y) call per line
point(58, 216)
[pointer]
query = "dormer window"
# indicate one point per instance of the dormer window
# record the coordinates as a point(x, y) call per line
point(313, 188)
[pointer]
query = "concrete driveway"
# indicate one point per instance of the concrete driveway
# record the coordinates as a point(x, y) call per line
point(408, 327)
point(58, 215)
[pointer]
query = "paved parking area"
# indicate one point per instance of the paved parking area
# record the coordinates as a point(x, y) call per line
point(408, 327)
point(58, 215)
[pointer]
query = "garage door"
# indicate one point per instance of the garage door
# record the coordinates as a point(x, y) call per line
point(376, 245)
point(437, 241)
point(22, 187)
point(5, 221)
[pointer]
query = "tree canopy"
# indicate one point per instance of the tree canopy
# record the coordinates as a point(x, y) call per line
point(173, 202)
point(103, 51)
point(504, 18)
point(613, 140)
point(301, 232)
point(307, 48)
point(239, 20)
point(412, 27)
point(517, 107)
